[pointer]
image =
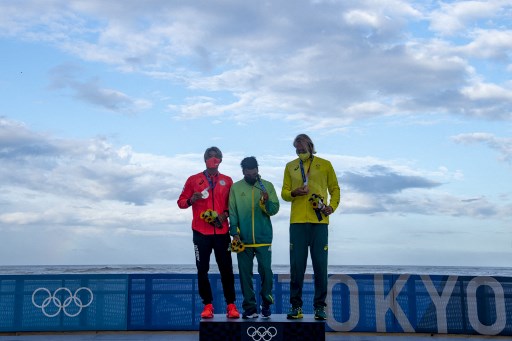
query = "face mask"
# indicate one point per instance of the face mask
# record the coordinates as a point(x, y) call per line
point(304, 156)
point(250, 180)
point(212, 162)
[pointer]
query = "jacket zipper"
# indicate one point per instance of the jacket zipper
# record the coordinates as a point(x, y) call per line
point(253, 236)
point(213, 206)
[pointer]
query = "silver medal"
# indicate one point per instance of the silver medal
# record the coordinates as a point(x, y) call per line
point(205, 194)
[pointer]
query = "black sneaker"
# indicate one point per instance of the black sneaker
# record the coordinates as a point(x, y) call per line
point(265, 310)
point(250, 314)
point(320, 313)
point(295, 313)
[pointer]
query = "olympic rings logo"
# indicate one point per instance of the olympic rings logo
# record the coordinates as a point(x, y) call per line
point(262, 333)
point(62, 299)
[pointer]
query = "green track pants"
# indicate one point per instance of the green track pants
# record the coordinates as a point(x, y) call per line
point(303, 237)
point(245, 258)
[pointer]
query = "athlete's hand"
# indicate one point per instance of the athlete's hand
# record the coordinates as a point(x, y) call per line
point(195, 197)
point(297, 192)
point(223, 217)
point(327, 210)
point(264, 197)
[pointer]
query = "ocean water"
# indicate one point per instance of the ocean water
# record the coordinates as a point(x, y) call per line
point(277, 269)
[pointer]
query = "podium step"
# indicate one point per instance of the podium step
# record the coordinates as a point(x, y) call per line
point(276, 328)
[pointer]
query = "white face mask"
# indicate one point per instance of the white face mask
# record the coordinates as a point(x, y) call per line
point(304, 156)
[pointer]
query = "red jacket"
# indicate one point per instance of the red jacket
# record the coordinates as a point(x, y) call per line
point(217, 200)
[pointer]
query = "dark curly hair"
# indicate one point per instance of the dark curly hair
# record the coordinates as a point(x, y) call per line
point(249, 163)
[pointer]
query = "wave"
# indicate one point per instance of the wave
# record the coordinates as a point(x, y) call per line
point(277, 269)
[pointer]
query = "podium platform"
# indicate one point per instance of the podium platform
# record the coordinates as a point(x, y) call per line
point(276, 328)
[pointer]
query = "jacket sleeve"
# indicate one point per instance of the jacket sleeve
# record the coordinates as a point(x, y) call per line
point(186, 193)
point(272, 205)
point(333, 187)
point(286, 192)
point(233, 213)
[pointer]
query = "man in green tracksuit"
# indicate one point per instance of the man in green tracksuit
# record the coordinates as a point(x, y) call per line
point(252, 201)
point(307, 181)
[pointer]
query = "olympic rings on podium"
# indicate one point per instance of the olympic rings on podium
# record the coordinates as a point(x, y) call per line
point(261, 333)
point(60, 303)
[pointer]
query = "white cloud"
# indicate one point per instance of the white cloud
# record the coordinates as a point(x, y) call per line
point(94, 183)
point(491, 92)
point(493, 43)
point(456, 17)
point(502, 145)
point(357, 18)
point(275, 59)
point(257, 73)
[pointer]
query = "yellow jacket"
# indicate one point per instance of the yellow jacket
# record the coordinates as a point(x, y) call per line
point(321, 180)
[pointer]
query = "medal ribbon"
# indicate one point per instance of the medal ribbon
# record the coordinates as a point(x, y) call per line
point(210, 180)
point(261, 185)
point(305, 176)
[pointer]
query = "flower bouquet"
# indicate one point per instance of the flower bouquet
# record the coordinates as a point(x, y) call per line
point(212, 218)
point(237, 245)
point(317, 202)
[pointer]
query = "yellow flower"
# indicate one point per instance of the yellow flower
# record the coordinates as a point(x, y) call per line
point(209, 216)
point(316, 201)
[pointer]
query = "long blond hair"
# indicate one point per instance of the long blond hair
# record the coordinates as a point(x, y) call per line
point(307, 139)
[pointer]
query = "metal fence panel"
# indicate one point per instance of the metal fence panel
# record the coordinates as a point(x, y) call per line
point(359, 303)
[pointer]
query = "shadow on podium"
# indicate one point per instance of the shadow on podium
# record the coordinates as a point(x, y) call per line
point(275, 328)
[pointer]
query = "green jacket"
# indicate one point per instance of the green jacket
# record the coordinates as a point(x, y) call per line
point(246, 217)
point(322, 180)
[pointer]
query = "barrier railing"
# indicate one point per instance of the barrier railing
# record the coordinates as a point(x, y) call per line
point(356, 303)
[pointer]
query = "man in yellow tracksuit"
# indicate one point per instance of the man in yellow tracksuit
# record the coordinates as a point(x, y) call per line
point(307, 182)
point(252, 201)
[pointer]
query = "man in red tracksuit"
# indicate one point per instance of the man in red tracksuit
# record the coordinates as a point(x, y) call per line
point(208, 194)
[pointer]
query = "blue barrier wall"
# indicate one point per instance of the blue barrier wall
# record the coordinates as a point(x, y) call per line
point(63, 303)
point(357, 303)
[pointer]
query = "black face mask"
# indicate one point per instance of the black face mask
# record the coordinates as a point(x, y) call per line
point(250, 180)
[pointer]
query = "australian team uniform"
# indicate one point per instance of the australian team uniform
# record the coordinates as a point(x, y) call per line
point(307, 227)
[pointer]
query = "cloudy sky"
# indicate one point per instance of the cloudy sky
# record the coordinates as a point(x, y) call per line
point(106, 107)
